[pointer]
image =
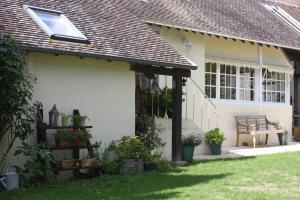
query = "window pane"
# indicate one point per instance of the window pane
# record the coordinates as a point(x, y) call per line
point(242, 70)
point(282, 86)
point(223, 69)
point(207, 79)
point(213, 79)
point(207, 67)
point(214, 68)
point(228, 69)
point(282, 100)
point(242, 94)
point(233, 81)
point(57, 24)
point(222, 93)
point(228, 93)
point(227, 80)
point(242, 82)
point(233, 93)
point(222, 79)
point(213, 92)
point(233, 71)
point(207, 91)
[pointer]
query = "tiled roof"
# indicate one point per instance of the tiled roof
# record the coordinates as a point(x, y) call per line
point(114, 33)
point(242, 19)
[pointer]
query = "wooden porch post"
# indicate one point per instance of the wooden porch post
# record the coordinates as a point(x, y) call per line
point(176, 118)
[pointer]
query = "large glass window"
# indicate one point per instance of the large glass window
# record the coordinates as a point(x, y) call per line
point(211, 80)
point(273, 86)
point(247, 84)
point(55, 24)
point(227, 82)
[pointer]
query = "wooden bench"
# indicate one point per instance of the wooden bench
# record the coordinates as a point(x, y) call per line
point(257, 125)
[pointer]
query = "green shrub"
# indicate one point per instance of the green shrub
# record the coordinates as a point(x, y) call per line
point(191, 140)
point(34, 170)
point(214, 136)
point(163, 165)
point(132, 148)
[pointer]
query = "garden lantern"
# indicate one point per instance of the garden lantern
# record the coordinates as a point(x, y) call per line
point(53, 116)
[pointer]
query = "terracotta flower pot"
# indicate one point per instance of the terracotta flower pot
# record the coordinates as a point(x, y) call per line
point(80, 142)
point(63, 143)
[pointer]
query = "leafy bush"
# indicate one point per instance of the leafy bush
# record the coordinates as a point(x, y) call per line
point(191, 140)
point(34, 170)
point(153, 142)
point(214, 136)
point(132, 148)
point(163, 165)
point(107, 158)
point(16, 87)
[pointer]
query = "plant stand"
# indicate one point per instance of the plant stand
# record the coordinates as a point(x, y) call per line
point(42, 130)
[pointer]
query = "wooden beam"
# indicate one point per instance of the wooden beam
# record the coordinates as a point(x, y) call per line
point(176, 118)
point(161, 70)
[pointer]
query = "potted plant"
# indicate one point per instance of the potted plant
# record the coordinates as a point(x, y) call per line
point(215, 139)
point(80, 137)
point(63, 138)
point(188, 146)
point(79, 120)
point(132, 151)
point(64, 119)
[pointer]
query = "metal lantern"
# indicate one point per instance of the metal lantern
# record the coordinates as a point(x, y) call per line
point(53, 116)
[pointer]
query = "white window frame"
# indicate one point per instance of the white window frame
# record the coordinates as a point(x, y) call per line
point(251, 79)
point(271, 90)
point(210, 85)
point(226, 86)
point(257, 83)
point(31, 11)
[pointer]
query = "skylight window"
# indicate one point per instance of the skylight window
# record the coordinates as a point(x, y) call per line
point(55, 24)
point(283, 15)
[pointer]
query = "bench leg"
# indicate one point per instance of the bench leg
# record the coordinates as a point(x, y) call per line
point(254, 141)
point(267, 136)
point(237, 140)
point(280, 138)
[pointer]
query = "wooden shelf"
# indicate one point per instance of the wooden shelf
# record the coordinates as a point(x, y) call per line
point(74, 147)
point(77, 168)
point(67, 127)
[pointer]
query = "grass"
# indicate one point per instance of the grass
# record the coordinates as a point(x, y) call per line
point(265, 177)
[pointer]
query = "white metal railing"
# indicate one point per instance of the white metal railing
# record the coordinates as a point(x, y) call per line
point(211, 112)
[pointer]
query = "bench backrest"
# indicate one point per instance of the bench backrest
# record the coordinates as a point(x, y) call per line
point(259, 120)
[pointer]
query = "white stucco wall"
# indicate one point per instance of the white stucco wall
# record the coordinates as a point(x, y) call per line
point(196, 107)
point(102, 90)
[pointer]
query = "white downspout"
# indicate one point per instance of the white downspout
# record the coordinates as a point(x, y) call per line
point(260, 54)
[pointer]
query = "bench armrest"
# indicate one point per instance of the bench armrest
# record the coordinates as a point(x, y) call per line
point(275, 124)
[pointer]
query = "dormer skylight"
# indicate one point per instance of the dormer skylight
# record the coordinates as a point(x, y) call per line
point(55, 24)
point(284, 16)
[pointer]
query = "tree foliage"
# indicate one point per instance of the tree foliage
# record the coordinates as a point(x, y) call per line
point(16, 89)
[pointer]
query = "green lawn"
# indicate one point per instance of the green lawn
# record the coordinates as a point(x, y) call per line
point(265, 177)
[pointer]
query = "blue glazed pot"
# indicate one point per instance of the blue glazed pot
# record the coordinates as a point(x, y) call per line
point(187, 153)
point(216, 149)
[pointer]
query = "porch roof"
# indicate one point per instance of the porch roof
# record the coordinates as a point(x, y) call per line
point(114, 33)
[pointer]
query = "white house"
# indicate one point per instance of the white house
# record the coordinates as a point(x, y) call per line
point(82, 54)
